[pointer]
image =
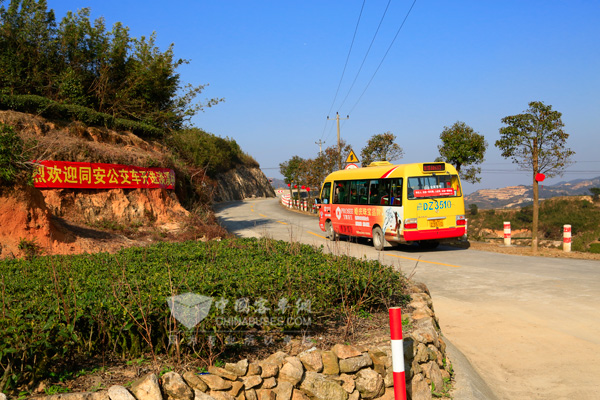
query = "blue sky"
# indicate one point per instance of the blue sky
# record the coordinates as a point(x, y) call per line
point(278, 65)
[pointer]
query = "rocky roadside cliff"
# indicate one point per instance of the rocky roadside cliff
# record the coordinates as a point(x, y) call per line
point(242, 183)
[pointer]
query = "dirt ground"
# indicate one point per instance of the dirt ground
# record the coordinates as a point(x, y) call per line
point(526, 251)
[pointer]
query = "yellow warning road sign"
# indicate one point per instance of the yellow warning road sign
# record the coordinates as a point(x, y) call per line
point(352, 157)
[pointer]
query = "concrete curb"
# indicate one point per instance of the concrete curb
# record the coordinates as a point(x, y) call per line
point(469, 385)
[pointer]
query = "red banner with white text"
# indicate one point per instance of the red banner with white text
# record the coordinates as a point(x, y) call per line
point(83, 175)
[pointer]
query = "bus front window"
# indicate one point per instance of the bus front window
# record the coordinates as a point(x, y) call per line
point(326, 193)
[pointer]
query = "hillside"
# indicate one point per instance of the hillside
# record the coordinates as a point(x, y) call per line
point(69, 221)
point(519, 196)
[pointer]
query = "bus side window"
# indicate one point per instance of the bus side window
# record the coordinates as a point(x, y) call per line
point(326, 193)
point(340, 195)
point(337, 194)
point(374, 194)
point(353, 193)
point(384, 192)
point(363, 195)
point(397, 192)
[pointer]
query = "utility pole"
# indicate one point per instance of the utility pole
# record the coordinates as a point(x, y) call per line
point(337, 118)
point(320, 142)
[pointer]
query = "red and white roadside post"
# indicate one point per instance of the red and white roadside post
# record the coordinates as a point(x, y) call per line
point(397, 353)
point(507, 233)
point(567, 238)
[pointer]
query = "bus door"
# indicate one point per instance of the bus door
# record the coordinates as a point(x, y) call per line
point(393, 214)
point(325, 208)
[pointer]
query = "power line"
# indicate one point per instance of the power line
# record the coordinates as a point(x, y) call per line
point(345, 65)
point(366, 54)
point(384, 56)
point(347, 57)
point(527, 172)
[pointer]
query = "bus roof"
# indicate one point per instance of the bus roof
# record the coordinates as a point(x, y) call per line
point(381, 170)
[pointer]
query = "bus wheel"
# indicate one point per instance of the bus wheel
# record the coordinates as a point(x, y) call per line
point(378, 240)
point(330, 232)
point(429, 244)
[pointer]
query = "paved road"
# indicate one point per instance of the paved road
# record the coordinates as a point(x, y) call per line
point(528, 325)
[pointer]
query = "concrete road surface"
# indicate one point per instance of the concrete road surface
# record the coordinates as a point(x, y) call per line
point(528, 325)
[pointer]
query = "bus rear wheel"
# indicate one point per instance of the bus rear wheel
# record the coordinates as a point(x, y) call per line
point(378, 239)
point(330, 232)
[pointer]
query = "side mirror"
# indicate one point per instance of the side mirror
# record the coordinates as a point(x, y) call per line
point(317, 201)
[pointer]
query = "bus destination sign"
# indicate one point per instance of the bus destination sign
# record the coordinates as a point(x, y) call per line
point(434, 167)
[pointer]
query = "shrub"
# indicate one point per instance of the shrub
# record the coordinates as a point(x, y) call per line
point(473, 209)
point(30, 247)
point(207, 151)
point(56, 309)
point(13, 157)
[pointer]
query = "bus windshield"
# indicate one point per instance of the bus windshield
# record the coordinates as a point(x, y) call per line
point(433, 186)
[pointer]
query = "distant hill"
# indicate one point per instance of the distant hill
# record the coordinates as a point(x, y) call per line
point(519, 196)
point(278, 183)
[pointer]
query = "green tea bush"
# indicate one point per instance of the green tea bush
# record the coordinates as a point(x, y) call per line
point(56, 309)
point(51, 109)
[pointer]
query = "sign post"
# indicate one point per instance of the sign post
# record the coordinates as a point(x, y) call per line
point(351, 160)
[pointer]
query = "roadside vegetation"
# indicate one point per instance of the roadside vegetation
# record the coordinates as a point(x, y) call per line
point(74, 70)
point(583, 216)
point(57, 311)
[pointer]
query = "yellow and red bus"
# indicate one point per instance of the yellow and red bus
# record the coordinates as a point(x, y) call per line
point(405, 203)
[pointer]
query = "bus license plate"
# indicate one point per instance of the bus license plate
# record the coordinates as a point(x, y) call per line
point(436, 223)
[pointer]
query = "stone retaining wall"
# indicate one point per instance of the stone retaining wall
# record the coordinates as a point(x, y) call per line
point(344, 372)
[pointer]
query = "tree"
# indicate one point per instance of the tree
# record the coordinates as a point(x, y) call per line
point(535, 141)
point(80, 62)
point(313, 172)
point(381, 147)
point(290, 170)
point(464, 148)
point(26, 36)
point(330, 157)
point(595, 191)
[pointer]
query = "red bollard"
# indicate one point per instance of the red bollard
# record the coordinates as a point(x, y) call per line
point(397, 353)
point(567, 238)
point(507, 233)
